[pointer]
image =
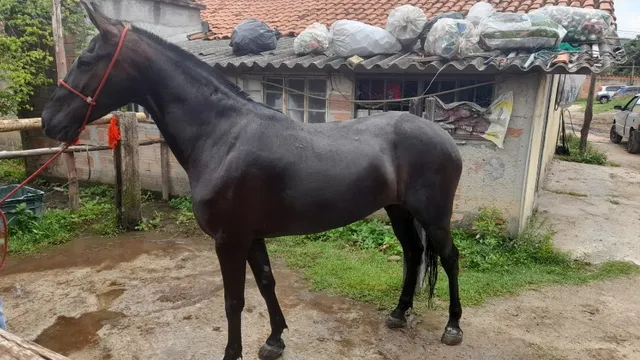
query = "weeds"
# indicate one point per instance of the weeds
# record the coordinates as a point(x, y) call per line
point(184, 205)
point(12, 171)
point(591, 155)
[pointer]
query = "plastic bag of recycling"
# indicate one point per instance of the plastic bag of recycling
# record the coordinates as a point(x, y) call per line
point(570, 88)
point(253, 36)
point(511, 31)
point(449, 15)
point(480, 11)
point(350, 37)
point(583, 25)
point(313, 40)
point(406, 23)
point(452, 39)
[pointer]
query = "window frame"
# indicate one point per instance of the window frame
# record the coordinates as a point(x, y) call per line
point(306, 110)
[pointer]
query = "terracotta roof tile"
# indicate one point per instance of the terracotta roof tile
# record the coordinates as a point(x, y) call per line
point(293, 16)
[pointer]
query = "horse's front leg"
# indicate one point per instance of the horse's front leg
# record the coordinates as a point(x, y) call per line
point(261, 267)
point(232, 255)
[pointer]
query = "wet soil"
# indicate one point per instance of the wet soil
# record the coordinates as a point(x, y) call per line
point(153, 296)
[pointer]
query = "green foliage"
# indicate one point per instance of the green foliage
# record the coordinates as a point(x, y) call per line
point(367, 234)
point(26, 47)
point(148, 224)
point(632, 49)
point(492, 263)
point(57, 226)
point(591, 155)
point(12, 171)
point(608, 107)
point(184, 205)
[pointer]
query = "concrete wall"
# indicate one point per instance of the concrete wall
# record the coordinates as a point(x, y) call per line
point(495, 177)
point(173, 20)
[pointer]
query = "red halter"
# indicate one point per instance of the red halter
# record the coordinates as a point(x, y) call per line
point(89, 100)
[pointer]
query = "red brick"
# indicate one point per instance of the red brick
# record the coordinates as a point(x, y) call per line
point(514, 132)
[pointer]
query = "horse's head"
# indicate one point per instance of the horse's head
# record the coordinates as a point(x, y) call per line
point(64, 114)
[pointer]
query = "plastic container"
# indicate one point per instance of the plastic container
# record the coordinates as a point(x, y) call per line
point(33, 199)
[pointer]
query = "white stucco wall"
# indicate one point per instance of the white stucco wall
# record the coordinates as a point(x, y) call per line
point(172, 20)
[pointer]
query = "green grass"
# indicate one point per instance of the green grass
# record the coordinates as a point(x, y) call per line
point(12, 171)
point(57, 226)
point(602, 108)
point(591, 156)
point(353, 262)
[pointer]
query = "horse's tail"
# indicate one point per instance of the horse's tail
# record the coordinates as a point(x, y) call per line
point(428, 264)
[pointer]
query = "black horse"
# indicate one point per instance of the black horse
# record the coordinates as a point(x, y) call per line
point(254, 173)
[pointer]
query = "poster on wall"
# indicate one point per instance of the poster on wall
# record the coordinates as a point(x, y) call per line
point(468, 119)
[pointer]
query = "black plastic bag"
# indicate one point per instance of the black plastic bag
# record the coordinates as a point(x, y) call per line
point(253, 36)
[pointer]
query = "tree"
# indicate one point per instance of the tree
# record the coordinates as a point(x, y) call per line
point(26, 48)
point(632, 50)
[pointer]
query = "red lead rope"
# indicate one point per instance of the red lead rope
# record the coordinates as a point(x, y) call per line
point(4, 249)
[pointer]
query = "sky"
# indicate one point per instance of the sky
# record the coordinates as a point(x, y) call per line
point(628, 17)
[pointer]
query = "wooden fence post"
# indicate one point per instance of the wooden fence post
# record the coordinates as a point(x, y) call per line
point(416, 106)
point(61, 68)
point(164, 170)
point(430, 109)
point(129, 158)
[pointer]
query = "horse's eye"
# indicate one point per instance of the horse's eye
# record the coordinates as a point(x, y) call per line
point(83, 64)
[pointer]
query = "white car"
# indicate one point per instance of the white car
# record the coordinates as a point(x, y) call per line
point(626, 125)
point(605, 94)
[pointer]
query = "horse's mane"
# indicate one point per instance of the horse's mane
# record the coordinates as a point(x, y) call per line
point(195, 62)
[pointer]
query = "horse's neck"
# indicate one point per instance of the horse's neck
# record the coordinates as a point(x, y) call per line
point(188, 111)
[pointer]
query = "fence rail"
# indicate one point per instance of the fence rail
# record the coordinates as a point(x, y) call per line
point(125, 155)
point(36, 123)
point(13, 347)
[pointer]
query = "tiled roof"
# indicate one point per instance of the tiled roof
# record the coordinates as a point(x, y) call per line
point(293, 16)
point(218, 53)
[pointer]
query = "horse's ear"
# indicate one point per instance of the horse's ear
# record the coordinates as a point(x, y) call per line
point(102, 22)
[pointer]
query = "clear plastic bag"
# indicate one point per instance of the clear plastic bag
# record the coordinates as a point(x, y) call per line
point(583, 25)
point(406, 23)
point(313, 40)
point(511, 31)
point(570, 88)
point(349, 38)
point(253, 36)
point(452, 39)
point(479, 11)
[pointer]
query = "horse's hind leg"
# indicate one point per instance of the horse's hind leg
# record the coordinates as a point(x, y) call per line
point(439, 237)
point(259, 262)
point(232, 255)
point(402, 223)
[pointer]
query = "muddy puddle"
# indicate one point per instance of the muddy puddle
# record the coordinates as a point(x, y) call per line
point(91, 251)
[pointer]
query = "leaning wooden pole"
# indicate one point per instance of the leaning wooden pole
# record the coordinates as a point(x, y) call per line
point(588, 116)
point(61, 67)
point(13, 347)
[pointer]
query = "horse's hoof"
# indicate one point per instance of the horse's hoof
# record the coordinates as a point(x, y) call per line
point(452, 336)
point(268, 352)
point(395, 323)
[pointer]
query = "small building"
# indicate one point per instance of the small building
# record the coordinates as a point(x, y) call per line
point(506, 176)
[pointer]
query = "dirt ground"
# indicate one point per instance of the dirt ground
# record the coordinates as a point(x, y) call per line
point(595, 209)
point(154, 297)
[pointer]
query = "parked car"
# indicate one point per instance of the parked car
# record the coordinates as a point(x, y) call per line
point(626, 125)
point(606, 93)
point(626, 91)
